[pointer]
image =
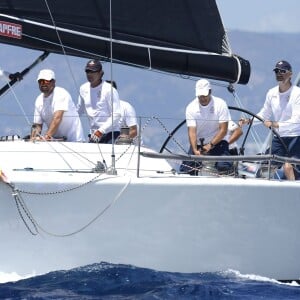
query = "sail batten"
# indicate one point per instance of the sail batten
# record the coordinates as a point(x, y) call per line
point(184, 37)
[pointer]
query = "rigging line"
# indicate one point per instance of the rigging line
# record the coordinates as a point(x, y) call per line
point(73, 188)
point(24, 72)
point(21, 206)
point(6, 88)
point(18, 102)
point(130, 158)
point(226, 44)
point(149, 55)
point(49, 143)
point(254, 134)
point(171, 134)
point(80, 155)
point(114, 40)
point(113, 163)
point(99, 148)
point(92, 220)
point(62, 45)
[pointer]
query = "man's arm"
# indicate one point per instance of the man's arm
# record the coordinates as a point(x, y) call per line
point(223, 127)
point(56, 120)
point(235, 135)
point(36, 130)
point(192, 132)
point(133, 131)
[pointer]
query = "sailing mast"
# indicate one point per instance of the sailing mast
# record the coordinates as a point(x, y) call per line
point(113, 170)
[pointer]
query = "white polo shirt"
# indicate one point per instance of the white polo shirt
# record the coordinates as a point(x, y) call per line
point(128, 115)
point(60, 99)
point(100, 106)
point(232, 126)
point(207, 118)
point(283, 108)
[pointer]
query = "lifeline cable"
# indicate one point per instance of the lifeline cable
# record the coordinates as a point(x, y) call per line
point(37, 226)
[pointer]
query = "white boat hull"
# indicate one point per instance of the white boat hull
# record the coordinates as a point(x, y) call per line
point(157, 220)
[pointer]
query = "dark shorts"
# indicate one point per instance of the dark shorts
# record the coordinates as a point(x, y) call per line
point(279, 173)
point(221, 149)
point(286, 146)
point(289, 147)
point(234, 151)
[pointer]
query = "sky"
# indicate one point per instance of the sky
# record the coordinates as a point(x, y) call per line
point(260, 15)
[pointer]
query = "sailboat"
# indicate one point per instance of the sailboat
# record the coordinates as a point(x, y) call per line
point(66, 204)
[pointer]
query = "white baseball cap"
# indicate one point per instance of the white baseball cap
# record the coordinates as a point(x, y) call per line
point(202, 87)
point(46, 74)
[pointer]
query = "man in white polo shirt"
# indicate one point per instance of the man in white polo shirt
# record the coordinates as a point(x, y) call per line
point(207, 119)
point(128, 116)
point(100, 101)
point(55, 108)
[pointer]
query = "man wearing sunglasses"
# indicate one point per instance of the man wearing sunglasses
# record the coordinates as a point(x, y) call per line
point(281, 111)
point(55, 108)
point(100, 101)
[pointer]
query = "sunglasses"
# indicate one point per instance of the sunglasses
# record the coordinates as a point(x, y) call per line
point(44, 81)
point(90, 71)
point(280, 71)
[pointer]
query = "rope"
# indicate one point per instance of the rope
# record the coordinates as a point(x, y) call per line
point(61, 191)
point(169, 133)
point(24, 211)
point(90, 222)
point(21, 206)
point(61, 44)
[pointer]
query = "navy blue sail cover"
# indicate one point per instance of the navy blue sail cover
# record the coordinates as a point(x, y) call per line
point(179, 36)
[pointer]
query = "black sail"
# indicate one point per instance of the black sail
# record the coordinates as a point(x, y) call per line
point(180, 36)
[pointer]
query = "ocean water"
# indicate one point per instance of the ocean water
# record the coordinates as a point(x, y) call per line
point(114, 281)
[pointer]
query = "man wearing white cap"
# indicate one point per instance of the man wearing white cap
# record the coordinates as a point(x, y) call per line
point(55, 108)
point(207, 119)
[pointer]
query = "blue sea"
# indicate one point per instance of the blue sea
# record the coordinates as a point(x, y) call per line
point(115, 281)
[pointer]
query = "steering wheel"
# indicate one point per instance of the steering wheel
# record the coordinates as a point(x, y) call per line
point(254, 116)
